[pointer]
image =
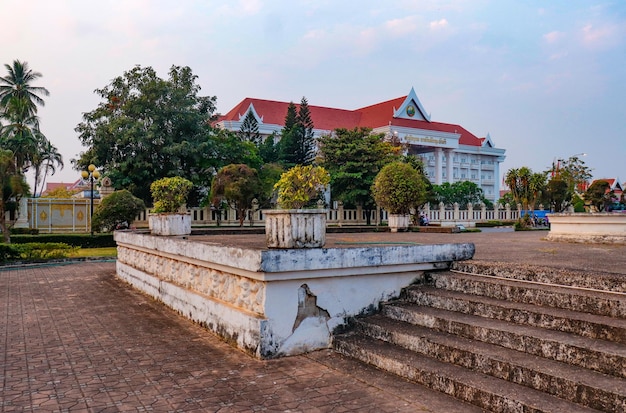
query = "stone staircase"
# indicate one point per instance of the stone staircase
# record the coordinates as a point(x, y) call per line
point(505, 339)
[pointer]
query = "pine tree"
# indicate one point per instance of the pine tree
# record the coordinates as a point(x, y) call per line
point(306, 138)
point(249, 130)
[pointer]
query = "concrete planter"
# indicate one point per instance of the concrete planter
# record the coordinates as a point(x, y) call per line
point(609, 228)
point(295, 228)
point(169, 224)
point(398, 222)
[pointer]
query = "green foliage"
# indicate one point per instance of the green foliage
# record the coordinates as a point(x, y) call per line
point(269, 150)
point(599, 195)
point(170, 194)
point(300, 184)
point(297, 143)
point(36, 251)
point(398, 188)
point(118, 209)
point(461, 192)
point(238, 185)
point(269, 174)
point(77, 240)
point(146, 128)
point(9, 252)
point(578, 203)
point(354, 158)
point(526, 187)
point(249, 130)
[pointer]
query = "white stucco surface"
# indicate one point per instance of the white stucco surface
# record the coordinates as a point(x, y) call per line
point(588, 227)
point(253, 297)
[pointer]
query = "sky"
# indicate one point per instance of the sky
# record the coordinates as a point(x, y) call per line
point(545, 79)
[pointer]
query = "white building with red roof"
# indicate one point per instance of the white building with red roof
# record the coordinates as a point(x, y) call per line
point(450, 152)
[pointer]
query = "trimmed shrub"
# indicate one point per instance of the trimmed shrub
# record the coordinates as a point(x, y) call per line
point(117, 210)
point(35, 251)
point(76, 240)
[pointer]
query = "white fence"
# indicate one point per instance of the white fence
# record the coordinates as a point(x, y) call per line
point(73, 215)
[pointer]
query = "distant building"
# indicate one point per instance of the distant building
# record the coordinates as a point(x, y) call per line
point(81, 187)
point(450, 152)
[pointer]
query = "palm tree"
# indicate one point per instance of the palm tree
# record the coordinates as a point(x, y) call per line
point(525, 186)
point(17, 84)
point(20, 133)
point(46, 162)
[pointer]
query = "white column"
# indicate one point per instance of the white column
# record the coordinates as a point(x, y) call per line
point(438, 165)
point(449, 165)
point(496, 179)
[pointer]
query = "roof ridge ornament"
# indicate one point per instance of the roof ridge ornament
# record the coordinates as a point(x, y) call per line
point(411, 108)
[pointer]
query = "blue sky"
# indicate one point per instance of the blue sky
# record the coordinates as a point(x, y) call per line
point(544, 78)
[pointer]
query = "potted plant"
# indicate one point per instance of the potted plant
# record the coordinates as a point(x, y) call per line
point(169, 216)
point(398, 188)
point(292, 226)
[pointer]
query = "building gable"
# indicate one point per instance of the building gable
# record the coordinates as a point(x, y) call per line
point(411, 108)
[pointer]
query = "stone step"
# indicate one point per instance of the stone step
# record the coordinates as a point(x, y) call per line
point(545, 275)
point(603, 303)
point(485, 391)
point(600, 355)
point(584, 324)
point(576, 384)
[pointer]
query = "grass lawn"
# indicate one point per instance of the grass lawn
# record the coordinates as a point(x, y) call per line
point(95, 252)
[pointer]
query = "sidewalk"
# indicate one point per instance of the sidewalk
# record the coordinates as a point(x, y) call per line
point(76, 339)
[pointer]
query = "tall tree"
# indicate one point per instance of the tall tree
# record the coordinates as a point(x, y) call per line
point(47, 160)
point(146, 128)
point(249, 130)
point(297, 142)
point(566, 178)
point(18, 85)
point(525, 186)
point(353, 157)
point(599, 195)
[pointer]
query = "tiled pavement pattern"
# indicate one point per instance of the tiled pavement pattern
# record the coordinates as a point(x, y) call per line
point(73, 338)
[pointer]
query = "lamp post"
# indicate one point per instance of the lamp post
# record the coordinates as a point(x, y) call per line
point(92, 174)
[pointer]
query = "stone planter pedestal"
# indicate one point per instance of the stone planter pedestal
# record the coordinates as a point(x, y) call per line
point(169, 224)
point(295, 228)
point(398, 222)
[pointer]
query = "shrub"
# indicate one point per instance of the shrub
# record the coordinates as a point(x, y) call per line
point(170, 194)
point(9, 252)
point(117, 210)
point(76, 240)
point(300, 184)
point(398, 188)
point(35, 251)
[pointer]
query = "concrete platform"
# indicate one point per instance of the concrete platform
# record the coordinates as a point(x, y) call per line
point(71, 341)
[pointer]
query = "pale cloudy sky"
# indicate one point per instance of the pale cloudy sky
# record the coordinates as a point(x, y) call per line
point(546, 79)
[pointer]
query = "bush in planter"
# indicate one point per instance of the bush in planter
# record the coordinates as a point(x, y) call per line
point(170, 194)
point(398, 188)
point(116, 211)
point(299, 185)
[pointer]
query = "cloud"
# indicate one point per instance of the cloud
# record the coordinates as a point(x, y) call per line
point(600, 37)
point(401, 27)
point(553, 37)
point(439, 24)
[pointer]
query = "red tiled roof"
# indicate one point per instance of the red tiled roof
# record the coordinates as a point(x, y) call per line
point(324, 118)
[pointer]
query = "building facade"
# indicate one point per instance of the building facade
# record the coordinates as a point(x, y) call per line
point(450, 152)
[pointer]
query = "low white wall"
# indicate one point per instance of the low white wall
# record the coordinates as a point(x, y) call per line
point(588, 227)
point(273, 302)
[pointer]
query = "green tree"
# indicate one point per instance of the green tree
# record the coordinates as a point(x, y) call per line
point(297, 143)
point(398, 188)
point(12, 187)
point(354, 157)
point(269, 174)
point(117, 210)
point(146, 128)
point(526, 187)
point(17, 85)
point(461, 193)
point(46, 161)
point(269, 149)
point(238, 185)
point(249, 130)
point(599, 195)
point(569, 175)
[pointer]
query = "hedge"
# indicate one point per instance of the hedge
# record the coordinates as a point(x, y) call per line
point(75, 240)
point(35, 251)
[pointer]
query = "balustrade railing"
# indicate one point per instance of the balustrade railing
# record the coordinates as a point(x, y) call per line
point(63, 215)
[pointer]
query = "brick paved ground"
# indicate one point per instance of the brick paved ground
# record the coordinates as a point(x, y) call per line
point(74, 338)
